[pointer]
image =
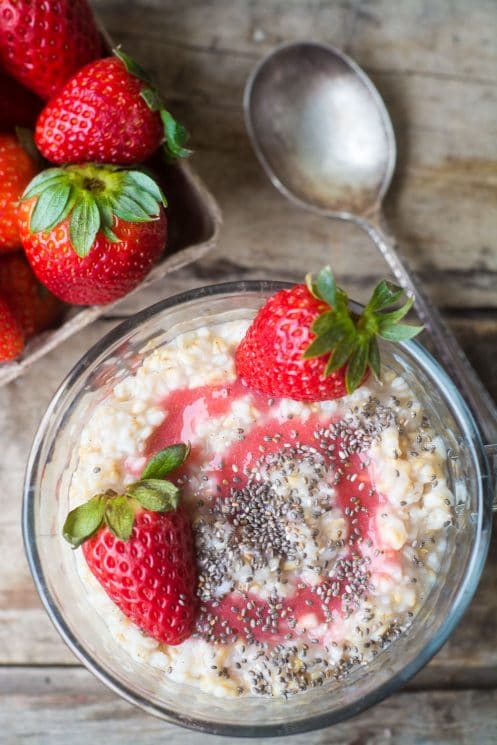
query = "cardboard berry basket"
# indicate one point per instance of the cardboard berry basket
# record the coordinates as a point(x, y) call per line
point(194, 220)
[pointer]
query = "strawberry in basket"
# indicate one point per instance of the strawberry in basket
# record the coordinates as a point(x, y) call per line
point(17, 168)
point(92, 232)
point(109, 112)
point(43, 43)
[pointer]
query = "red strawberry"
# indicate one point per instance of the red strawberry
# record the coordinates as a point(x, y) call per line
point(108, 113)
point(92, 233)
point(17, 168)
point(139, 545)
point(23, 106)
point(43, 43)
point(33, 305)
point(11, 336)
point(306, 344)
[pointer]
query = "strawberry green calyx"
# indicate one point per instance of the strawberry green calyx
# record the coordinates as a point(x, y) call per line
point(175, 134)
point(350, 339)
point(91, 196)
point(117, 511)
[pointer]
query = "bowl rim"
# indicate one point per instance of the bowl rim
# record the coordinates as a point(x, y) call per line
point(460, 603)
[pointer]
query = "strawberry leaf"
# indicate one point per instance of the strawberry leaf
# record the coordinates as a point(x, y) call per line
point(324, 322)
point(374, 357)
point(41, 181)
point(84, 225)
point(311, 285)
point(128, 209)
point(326, 342)
point(144, 200)
point(143, 182)
point(155, 494)
point(396, 315)
point(110, 235)
point(151, 98)
point(176, 136)
point(118, 511)
point(131, 66)
point(384, 294)
point(106, 215)
point(50, 208)
point(107, 220)
point(326, 286)
point(401, 332)
point(82, 522)
point(166, 460)
point(356, 367)
point(342, 306)
point(120, 517)
point(339, 356)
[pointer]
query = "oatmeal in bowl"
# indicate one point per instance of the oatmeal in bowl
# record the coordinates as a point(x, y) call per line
point(320, 567)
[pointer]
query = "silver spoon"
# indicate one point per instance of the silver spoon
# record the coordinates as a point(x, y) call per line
point(323, 135)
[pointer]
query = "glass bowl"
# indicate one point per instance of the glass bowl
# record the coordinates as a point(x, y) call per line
point(52, 462)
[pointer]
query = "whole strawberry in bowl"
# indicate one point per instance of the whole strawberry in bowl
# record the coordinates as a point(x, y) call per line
point(306, 343)
point(91, 232)
point(139, 546)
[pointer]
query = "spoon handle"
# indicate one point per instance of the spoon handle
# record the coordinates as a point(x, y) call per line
point(448, 348)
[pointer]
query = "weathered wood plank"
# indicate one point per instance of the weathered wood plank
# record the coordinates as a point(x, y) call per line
point(54, 707)
point(419, 38)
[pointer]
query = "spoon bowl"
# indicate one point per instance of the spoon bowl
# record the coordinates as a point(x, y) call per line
point(320, 129)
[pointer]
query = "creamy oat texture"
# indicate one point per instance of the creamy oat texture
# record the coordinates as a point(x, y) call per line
point(359, 588)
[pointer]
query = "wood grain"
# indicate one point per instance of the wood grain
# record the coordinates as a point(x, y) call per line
point(53, 707)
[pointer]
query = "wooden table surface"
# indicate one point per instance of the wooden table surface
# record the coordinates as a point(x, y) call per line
point(434, 63)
